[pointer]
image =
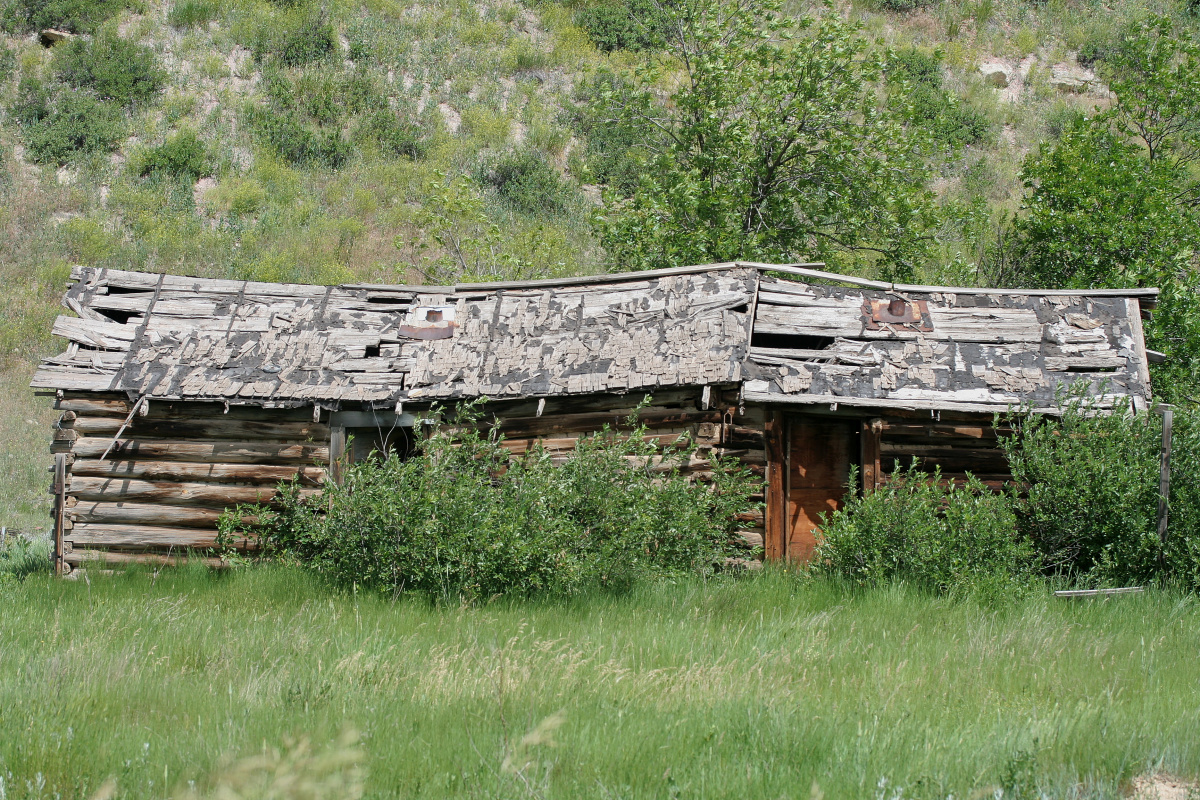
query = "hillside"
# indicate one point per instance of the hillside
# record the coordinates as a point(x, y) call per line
point(389, 141)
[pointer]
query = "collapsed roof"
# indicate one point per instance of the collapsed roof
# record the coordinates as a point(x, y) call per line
point(784, 333)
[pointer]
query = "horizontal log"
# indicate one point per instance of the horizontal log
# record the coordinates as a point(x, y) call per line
point(213, 428)
point(203, 494)
point(147, 536)
point(936, 431)
point(748, 538)
point(594, 421)
point(78, 558)
point(184, 471)
point(146, 514)
point(940, 450)
point(217, 452)
point(751, 519)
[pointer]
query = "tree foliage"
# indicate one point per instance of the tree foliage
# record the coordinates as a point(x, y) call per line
point(776, 144)
point(1114, 202)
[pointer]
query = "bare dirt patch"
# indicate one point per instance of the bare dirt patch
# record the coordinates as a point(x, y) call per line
point(1164, 787)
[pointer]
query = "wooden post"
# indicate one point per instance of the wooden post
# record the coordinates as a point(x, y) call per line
point(1164, 487)
point(60, 510)
point(337, 452)
point(776, 516)
point(872, 430)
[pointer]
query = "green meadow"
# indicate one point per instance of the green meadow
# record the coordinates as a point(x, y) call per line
point(189, 683)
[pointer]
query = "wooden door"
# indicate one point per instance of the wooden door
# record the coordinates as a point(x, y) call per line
point(820, 453)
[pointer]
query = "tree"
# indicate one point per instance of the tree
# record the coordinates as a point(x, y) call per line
point(1113, 203)
point(776, 144)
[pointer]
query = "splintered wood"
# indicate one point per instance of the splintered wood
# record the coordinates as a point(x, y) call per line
point(971, 350)
point(194, 338)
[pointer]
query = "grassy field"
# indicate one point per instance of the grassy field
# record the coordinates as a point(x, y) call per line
point(762, 687)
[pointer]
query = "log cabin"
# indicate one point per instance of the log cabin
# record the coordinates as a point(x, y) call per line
point(181, 396)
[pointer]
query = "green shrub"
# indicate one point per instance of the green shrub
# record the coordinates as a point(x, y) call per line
point(630, 25)
point(20, 558)
point(463, 519)
point(73, 128)
point(1091, 499)
point(297, 38)
point(181, 155)
point(298, 143)
point(394, 134)
point(615, 150)
point(8, 63)
point(949, 118)
point(76, 16)
point(945, 537)
point(115, 69)
point(192, 13)
point(32, 103)
point(527, 182)
point(327, 98)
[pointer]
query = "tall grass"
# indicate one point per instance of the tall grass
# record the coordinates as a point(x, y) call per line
point(759, 687)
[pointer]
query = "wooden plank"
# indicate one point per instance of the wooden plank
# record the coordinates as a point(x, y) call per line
point(60, 506)
point(805, 272)
point(56, 377)
point(147, 536)
point(892, 428)
point(216, 452)
point(337, 453)
point(1134, 313)
point(210, 428)
point(87, 487)
point(776, 489)
point(869, 440)
point(608, 277)
point(94, 407)
point(106, 335)
point(898, 404)
point(146, 514)
point(193, 472)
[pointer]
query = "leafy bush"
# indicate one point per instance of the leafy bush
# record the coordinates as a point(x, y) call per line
point(527, 182)
point(327, 98)
point(77, 127)
point(8, 63)
point(616, 150)
point(20, 558)
point(190, 13)
point(181, 155)
point(395, 135)
point(32, 104)
point(114, 68)
point(949, 118)
point(946, 537)
point(630, 25)
point(76, 16)
point(299, 143)
point(297, 38)
point(1091, 499)
point(464, 519)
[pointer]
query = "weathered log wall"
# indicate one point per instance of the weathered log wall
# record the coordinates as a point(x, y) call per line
point(151, 484)
point(157, 489)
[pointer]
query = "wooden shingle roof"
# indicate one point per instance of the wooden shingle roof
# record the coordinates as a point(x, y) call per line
point(785, 333)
